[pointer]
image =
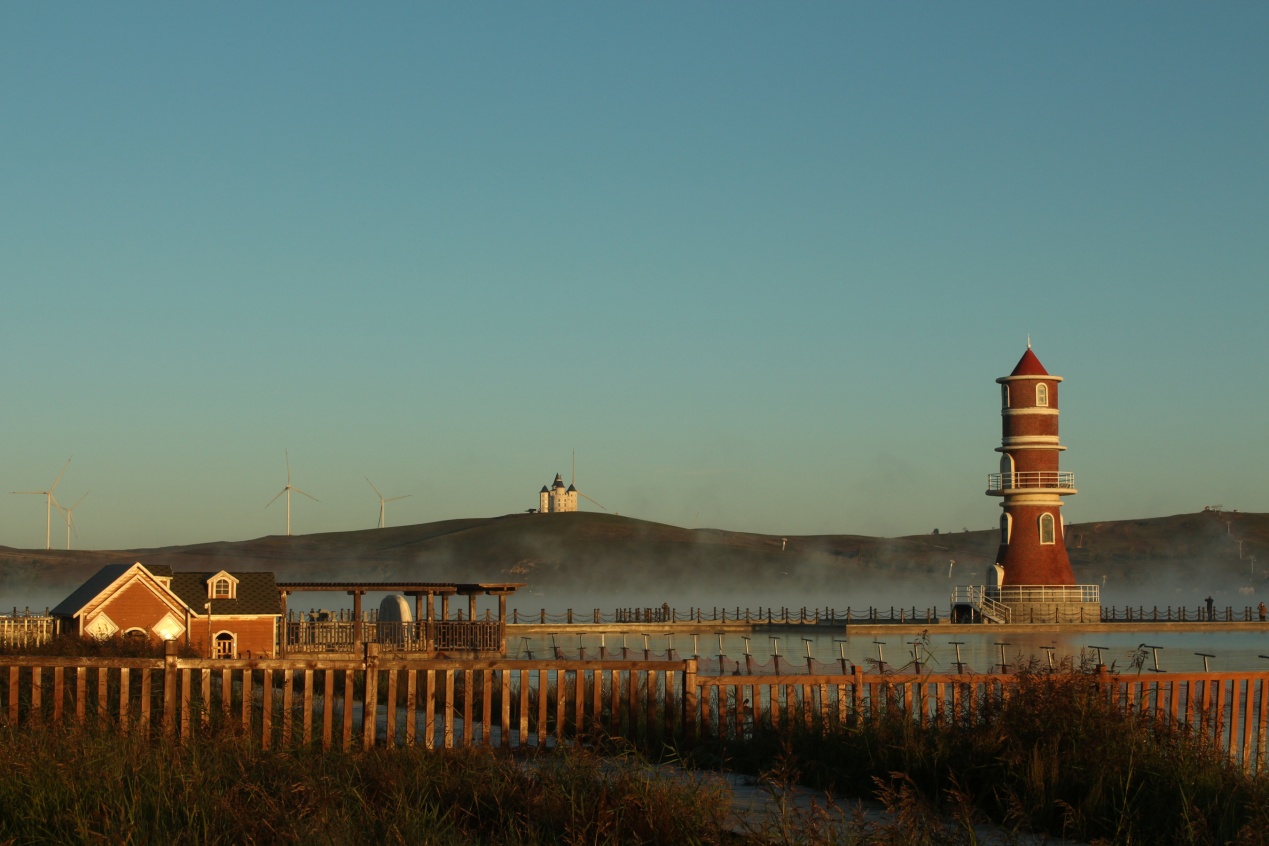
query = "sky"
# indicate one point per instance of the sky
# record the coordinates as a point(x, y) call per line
point(758, 264)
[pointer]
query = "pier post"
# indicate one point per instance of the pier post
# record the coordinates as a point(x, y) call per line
point(689, 698)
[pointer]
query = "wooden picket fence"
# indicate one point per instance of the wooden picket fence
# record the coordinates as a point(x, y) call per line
point(392, 699)
point(1232, 709)
point(288, 702)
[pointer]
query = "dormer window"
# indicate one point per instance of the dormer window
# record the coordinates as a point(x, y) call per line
point(1041, 395)
point(222, 586)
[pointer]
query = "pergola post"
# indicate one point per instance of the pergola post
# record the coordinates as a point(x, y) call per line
point(357, 638)
point(286, 628)
point(428, 628)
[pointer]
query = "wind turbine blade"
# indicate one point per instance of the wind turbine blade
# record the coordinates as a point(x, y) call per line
point(78, 501)
point(59, 475)
point(33, 493)
point(275, 499)
point(592, 500)
point(395, 498)
point(309, 495)
point(372, 487)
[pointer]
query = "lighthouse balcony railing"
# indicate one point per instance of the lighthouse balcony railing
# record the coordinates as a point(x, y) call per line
point(1031, 479)
point(1045, 594)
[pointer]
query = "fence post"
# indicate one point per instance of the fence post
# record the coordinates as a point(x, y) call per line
point(370, 702)
point(689, 699)
point(169, 687)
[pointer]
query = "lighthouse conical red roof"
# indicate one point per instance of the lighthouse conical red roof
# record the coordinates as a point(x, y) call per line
point(1029, 365)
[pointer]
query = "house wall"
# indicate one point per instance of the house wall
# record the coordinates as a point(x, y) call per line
point(256, 635)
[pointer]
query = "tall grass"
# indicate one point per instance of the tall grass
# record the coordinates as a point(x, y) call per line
point(88, 786)
point(1054, 755)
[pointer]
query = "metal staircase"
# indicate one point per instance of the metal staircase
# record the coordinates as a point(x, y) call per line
point(976, 598)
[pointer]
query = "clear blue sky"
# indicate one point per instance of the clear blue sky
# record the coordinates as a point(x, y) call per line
point(759, 263)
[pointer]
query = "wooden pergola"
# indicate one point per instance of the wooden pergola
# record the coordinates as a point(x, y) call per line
point(423, 611)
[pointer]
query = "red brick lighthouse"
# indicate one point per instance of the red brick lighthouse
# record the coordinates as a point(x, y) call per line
point(1032, 537)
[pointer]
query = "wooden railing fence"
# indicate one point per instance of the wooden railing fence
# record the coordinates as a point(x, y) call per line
point(391, 699)
point(22, 630)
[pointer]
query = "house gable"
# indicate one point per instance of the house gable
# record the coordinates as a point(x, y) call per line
point(142, 604)
point(122, 597)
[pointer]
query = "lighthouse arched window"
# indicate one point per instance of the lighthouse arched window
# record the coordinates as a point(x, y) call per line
point(1046, 529)
point(1041, 395)
point(1006, 527)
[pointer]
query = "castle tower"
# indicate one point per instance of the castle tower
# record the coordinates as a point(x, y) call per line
point(1032, 532)
point(556, 498)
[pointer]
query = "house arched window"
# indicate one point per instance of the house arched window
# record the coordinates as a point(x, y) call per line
point(1041, 395)
point(1047, 534)
point(221, 589)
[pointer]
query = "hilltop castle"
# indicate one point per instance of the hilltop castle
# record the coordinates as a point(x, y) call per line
point(556, 499)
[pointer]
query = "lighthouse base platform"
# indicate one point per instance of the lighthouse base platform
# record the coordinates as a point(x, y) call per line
point(1052, 604)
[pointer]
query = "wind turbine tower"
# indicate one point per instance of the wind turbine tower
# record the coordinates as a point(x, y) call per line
point(48, 505)
point(287, 490)
point(382, 501)
point(69, 513)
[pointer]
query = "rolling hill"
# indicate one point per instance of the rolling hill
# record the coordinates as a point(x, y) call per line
point(589, 560)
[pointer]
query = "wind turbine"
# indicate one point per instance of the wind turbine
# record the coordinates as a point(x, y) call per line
point(48, 505)
point(70, 518)
point(382, 501)
point(573, 481)
point(287, 490)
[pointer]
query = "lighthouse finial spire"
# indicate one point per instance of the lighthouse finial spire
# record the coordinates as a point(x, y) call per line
point(1028, 340)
